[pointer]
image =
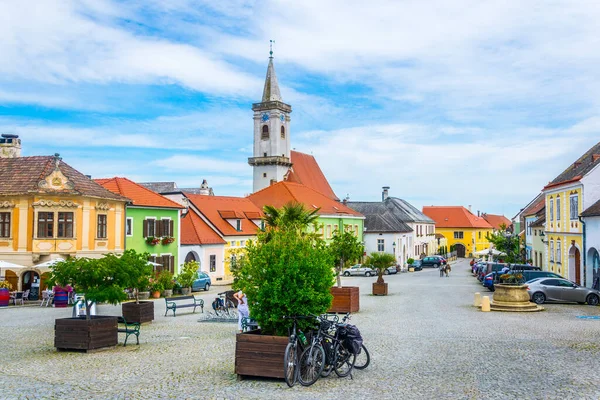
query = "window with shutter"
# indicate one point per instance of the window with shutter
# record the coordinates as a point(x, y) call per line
point(145, 228)
point(159, 228)
point(172, 264)
point(171, 228)
point(5, 224)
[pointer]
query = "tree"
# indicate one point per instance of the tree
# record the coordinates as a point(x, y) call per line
point(381, 261)
point(284, 273)
point(344, 247)
point(188, 274)
point(290, 216)
point(135, 269)
point(507, 243)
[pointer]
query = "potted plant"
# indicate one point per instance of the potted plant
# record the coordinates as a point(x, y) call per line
point(345, 247)
point(5, 288)
point(102, 281)
point(189, 273)
point(138, 273)
point(152, 241)
point(410, 262)
point(156, 287)
point(286, 271)
point(381, 261)
point(167, 240)
point(166, 280)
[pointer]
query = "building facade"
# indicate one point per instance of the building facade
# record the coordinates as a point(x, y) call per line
point(591, 219)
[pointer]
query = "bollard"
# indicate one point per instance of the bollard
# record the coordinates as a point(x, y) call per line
point(485, 304)
point(477, 302)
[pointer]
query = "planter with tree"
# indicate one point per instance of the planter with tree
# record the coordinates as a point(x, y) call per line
point(166, 280)
point(286, 271)
point(138, 279)
point(189, 273)
point(381, 261)
point(345, 247)
point(102, 281)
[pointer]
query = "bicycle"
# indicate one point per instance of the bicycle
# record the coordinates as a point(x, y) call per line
point(338, 358)
point(223, 306)
point(363, 358)
point(297, 341)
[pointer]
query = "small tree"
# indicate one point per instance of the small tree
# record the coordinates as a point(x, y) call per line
point(344, 247)
point(507, 243)
point(285, 273)
point(135, 269)
point(101, 280)
point(381, 261)
point(189, 273)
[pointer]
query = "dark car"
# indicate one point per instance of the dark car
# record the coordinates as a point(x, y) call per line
point(417, 265)
point(433, 261)
point(202, 282)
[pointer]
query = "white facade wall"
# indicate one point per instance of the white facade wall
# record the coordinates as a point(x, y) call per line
point(426, 238)
point(401, 251)
point(591, 187)
point(202, 254)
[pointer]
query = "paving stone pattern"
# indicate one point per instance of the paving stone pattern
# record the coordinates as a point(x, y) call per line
point(425, 338)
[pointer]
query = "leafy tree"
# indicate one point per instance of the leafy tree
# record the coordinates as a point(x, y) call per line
point(283, 274)
point(506, 242)
point(188, 274)
point(135, 269)
point(381, 261)
point(344, 247)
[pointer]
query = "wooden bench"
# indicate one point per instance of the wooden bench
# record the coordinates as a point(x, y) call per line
point(175, 303)
point(130, 328)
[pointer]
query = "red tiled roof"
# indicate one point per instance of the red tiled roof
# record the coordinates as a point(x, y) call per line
point(195, 231)
point(282, 193)
point(454, 217)
point(497, 220)
point(306, 171)
point(212, 207)
point(22, 175)
point(230, 214)
point(139, 195)
point(536, 205)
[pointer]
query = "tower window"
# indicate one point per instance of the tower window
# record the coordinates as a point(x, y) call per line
point(264, 174)
point(264, 154)
point(283, 132)
point(265, 132)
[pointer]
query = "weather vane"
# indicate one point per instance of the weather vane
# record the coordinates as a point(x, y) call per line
point(271, 47)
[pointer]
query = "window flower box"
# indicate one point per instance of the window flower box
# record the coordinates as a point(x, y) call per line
point(167, 240)
point(152, 241)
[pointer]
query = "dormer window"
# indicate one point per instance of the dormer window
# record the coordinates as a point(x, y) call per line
point(238, 225)
point(265, 132)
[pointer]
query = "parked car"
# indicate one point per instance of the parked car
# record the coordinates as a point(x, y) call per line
point(561, 290)
point(390, 270)
point(417, 265)
point(359, 269)
point(494, 277)
point(433, 261)
point(202, 282)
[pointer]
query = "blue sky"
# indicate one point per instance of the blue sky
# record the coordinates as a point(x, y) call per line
point(460, 103)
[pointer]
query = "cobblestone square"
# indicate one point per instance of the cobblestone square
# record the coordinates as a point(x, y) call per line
point(425, 338)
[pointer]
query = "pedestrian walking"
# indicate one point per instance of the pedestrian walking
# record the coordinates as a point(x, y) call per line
point(442, 270)
point(243, 311)
point(447, 270)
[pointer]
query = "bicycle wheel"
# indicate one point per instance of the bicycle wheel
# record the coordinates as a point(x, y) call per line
point(290, 364)
point(362, 359)
point(344, 361)
point(230, 309)
point(311, 364)
point(329, 358)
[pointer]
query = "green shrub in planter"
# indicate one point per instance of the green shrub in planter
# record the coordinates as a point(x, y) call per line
point(165, 278)
point(285, 272)
point(189, 273)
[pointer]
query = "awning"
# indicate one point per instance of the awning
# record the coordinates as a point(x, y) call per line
point(487, 251)
point(48, 264)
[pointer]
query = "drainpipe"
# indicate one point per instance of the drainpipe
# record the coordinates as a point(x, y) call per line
point(584, 251)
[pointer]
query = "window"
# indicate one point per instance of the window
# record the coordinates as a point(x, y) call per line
point(264, 174)
point(552, 251)
point(168, 263)
point(283, 132)
point(45, 225)
point(213, 263)
point(149, 227)
point(233, 261)
point(328, 231)
point(101, 231)
point(65, 225)
point(166, 227)
point(574, 207)
point(558, 253)
point(265, 133)
point(535, 232)
point(238, 225)
point(551, 218)
point(129, 227)
point(479, 234)
point(5, 225)
point(381, 245)
point(529, 228)
point(458, 235)
point(557, 209)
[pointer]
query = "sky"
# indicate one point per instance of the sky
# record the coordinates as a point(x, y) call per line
point(448, 103)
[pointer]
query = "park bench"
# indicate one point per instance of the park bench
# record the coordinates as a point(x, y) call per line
point(175, 303)
point(248, 324)
point(129, 328)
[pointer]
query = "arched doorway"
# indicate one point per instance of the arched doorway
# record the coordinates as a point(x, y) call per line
point(574, 265)
point(593, 263)
point(191, 256)
point(30, 280)
point(460, 249)
point(13, 279)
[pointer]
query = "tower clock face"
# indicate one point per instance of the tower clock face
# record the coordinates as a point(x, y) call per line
point(282, 118)
point(265, 117)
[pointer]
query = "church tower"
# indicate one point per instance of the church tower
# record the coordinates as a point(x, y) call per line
point(271, 160)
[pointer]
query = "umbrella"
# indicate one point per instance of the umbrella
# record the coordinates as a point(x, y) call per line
point(487, 251)
point(48, 264)
point(154, 264)
point(5, 265)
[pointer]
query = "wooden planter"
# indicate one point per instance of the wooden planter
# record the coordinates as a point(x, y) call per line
point(380, 289)
point(140, 313)
point(83, 334)
point(345, 299)
point(259, 355)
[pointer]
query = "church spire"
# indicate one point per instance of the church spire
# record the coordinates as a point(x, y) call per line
point(271, 90)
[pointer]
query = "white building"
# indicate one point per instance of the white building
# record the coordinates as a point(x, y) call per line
point(591, 219)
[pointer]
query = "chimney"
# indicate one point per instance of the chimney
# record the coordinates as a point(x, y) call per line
point(478, 213)
point(470, 209)
point(385, 193)
point(10, 146)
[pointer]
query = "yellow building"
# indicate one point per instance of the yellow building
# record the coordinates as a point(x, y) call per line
point(465, 232)
point(48, 210)
point(574, 190)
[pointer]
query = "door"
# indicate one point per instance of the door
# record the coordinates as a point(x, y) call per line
point(570, 292)
point(552, 290)
point(460, 250)
point(577, 267)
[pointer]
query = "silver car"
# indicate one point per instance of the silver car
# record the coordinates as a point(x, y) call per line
point(359, 269)
point(561, 290)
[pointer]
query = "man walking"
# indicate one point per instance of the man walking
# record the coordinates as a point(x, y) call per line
point(442, 270)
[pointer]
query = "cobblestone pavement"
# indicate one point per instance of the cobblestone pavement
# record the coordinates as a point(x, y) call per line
point(425, 338)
